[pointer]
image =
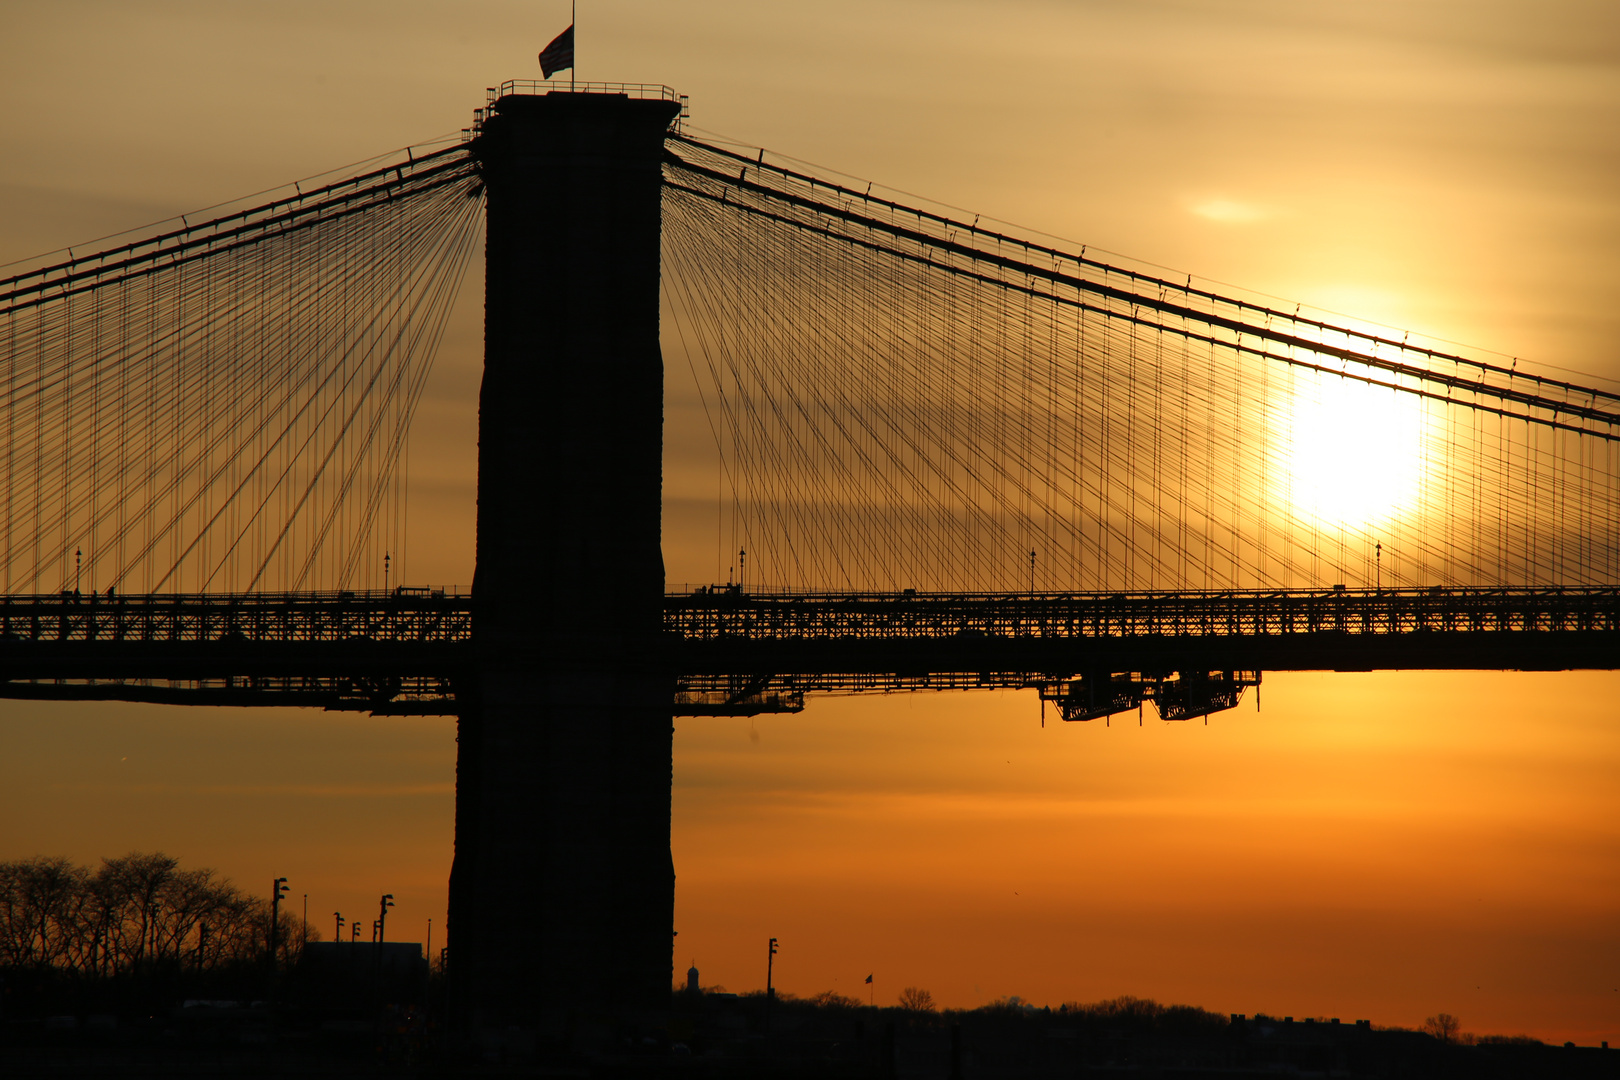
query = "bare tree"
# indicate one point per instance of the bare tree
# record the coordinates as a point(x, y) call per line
point(235, 929)
point(137, 913)
point(913, 999)
point(39, 902)
point(135, 890)
point(1443, 1026)
point(832, 999)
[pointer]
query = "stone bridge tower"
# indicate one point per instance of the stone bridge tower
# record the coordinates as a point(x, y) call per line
point(562, 891)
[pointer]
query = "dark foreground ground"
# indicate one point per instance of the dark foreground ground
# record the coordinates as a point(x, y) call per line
point(723, 1036)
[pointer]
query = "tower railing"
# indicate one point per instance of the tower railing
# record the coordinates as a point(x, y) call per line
point(536, 88)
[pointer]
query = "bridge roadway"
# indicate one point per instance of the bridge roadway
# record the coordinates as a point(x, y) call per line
point(736, 653)
point(391, 653)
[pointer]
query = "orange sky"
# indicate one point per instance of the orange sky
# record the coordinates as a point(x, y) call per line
point(1382, 846)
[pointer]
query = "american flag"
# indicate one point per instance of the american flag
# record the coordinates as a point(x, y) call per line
point(559, 54)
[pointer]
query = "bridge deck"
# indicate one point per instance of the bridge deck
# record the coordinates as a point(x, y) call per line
point(384, 652)
point(730, 651)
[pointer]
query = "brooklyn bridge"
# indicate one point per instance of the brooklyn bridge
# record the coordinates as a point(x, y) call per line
point(951, 458)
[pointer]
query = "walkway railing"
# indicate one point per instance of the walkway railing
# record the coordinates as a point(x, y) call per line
point(727, 613)
point(403, 615)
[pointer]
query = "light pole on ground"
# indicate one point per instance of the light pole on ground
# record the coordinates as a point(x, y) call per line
point(278, 888)
point(770, 991)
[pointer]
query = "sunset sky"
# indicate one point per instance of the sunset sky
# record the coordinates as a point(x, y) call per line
point(1380, 846)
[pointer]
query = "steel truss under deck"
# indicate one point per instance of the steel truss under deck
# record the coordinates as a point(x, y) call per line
point(1095, 654)
point(736, 653)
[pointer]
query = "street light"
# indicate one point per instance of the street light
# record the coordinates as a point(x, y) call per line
point(337, 934)
point(278, 889)
point(770, 993)
point(382, 916)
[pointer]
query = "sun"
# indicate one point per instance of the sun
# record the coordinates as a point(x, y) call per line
point(1357, 454)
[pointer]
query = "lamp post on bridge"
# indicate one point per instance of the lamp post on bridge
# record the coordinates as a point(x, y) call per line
point(382, 916)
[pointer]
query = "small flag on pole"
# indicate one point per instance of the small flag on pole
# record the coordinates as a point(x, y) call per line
point(559, 54)
point(869, 978)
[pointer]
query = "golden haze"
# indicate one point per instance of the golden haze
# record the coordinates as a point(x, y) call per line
point(1384, 845)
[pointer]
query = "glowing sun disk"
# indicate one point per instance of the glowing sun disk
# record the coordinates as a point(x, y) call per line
point(1357, 454)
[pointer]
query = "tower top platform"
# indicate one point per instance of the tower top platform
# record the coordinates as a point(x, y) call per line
point(536, 88)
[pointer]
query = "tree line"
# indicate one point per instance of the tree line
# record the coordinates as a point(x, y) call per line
point(133, 915)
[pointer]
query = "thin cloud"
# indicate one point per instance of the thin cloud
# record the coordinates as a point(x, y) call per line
point(1229, 211)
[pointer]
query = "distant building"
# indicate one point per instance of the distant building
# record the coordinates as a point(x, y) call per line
point(334, 971)
point(390, 959)
point(692, 980)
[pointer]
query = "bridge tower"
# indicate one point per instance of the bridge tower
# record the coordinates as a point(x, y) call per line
point(562, 890)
